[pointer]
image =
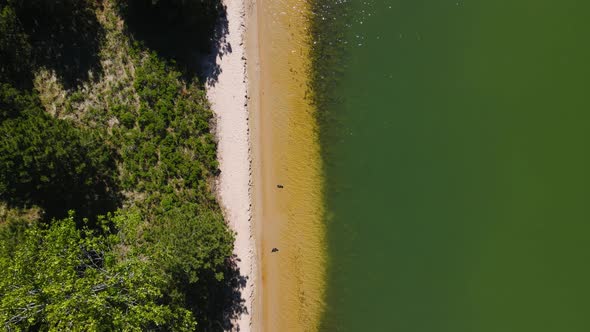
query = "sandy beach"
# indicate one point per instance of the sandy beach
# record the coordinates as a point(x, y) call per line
point(228, 98)
point(270, 183)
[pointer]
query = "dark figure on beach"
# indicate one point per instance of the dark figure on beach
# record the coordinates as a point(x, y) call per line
point(280, 186)
point(274, 250)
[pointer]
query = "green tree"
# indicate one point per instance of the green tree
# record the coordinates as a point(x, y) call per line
point(13, 102)
point(190, 241)
point(63, 278)
point(47, 162)
point(192, 245)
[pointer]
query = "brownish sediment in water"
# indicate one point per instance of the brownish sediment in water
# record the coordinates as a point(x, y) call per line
point(286, 152)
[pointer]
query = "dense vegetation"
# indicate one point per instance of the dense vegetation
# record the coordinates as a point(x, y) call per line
point(107, 216)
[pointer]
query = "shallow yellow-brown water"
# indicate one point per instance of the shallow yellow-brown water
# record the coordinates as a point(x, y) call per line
point(287, 148)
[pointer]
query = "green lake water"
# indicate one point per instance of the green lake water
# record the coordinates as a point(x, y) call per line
point(457, 164)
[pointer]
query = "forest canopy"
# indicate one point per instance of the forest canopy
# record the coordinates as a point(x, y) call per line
point(108, 220)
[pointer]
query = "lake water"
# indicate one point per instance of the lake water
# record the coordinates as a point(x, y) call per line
point(455, 137)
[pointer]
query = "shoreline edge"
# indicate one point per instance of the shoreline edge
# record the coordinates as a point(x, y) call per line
point(228, 96)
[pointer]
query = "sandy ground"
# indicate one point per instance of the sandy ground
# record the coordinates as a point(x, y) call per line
point(228, 98)
point(268, 136)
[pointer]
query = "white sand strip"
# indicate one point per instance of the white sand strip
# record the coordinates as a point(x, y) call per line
point(228, 98)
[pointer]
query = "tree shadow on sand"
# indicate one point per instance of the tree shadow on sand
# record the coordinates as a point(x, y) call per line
point(190, 33)
point(223, 301)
